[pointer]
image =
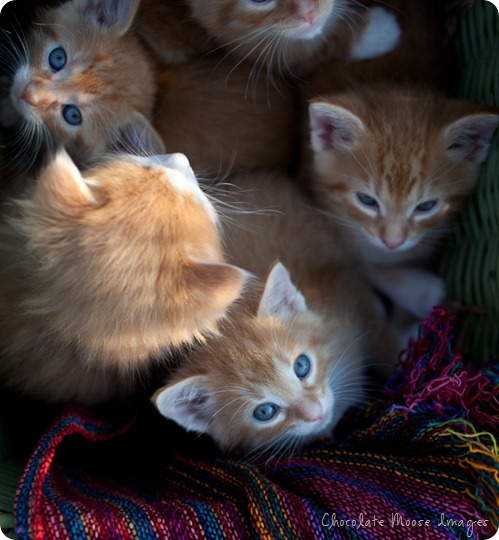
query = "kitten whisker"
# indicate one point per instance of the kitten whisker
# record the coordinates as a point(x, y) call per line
point(242, 42)
point(261, 61)
point(244, 58)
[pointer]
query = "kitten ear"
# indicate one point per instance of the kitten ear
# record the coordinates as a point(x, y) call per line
point(280, 296)
point(186, 402)
point(138, 137)
point(470, 137)
point(218, 284)
point(112, 15)
point(61, 181)
point(333, 127)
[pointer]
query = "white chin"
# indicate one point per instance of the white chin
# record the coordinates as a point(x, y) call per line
point(308, 34)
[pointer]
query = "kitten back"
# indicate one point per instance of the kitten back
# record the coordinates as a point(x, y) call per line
point(107, 271)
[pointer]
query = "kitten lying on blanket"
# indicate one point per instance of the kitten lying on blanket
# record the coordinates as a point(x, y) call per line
point(104, 272)
point(289, 360)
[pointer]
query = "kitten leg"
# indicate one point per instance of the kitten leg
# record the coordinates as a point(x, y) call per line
point(381, 35)
point(413, 289)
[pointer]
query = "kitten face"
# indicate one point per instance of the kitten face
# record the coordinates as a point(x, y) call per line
point(271, 381)
point(84, 73)
point(132, 261)
point(394, 168)
point(255, 21)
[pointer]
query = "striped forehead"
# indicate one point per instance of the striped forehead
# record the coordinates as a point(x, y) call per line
point(400, 169)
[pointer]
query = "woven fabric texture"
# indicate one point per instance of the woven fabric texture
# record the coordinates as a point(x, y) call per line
point(425, 452)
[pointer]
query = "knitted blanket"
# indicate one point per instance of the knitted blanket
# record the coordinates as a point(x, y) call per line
point(420, 462)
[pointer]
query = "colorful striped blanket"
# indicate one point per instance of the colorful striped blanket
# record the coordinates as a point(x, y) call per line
point(420, 462)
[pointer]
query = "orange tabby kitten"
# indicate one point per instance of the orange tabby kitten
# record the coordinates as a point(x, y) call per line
point(87, 73)
point(291, 36)
point(81, 73)
point(392, 166)
point(223, 123)
point(290, 360)
point(103, 272)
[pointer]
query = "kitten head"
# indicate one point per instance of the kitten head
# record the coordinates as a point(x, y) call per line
point(83, 73)
point(394, 166)
point(275, 379)
point(246, 23)
point(126, 258)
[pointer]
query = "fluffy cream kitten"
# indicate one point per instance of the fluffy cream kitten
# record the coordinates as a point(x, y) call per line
point(290, 359)
point(103, 273)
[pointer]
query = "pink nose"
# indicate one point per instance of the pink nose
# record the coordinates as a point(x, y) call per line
point(29, 95)
point(392, 243)
point(307, 16)
point(311, 411)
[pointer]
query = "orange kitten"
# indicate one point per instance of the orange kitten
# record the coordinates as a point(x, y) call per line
point(392, 167)
point(290, 360)
point(291, 36)
point(104, 272)
point(221, 121)
point(185, 39)
point(80, 74)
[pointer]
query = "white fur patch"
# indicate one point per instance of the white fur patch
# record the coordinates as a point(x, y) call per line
point(380, 36)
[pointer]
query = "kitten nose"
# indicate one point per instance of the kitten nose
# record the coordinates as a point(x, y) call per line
point(311, 411)
point(392, 243)
point(179, 162)
point(176, 161)
point(307, 16)
point(29, 94)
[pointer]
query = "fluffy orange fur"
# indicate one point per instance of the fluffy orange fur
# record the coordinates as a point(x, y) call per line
point(327, 313)
point(392, 166)
point(106, 76)
point(104, 273)
point(185, 39)
point(287, 36)
point(223, 122)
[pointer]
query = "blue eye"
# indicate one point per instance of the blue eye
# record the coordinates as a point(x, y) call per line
point(265, 412)
point(57, 58)
point(71, 114)
point(367, 200)
point(426, 206)
point(302, 366)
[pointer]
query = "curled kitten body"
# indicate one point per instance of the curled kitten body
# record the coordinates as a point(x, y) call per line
point(222, 120)
point(104, 273)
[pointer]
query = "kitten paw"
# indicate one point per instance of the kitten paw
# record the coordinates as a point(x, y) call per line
point(380, 36)
point(430, 292)
point(415, 290)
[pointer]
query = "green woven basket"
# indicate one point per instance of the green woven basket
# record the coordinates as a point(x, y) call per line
point(470, 263)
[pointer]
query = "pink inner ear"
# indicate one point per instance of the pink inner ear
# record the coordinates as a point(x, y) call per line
point(474, 138)
point(478, 142)
point(324, 131)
